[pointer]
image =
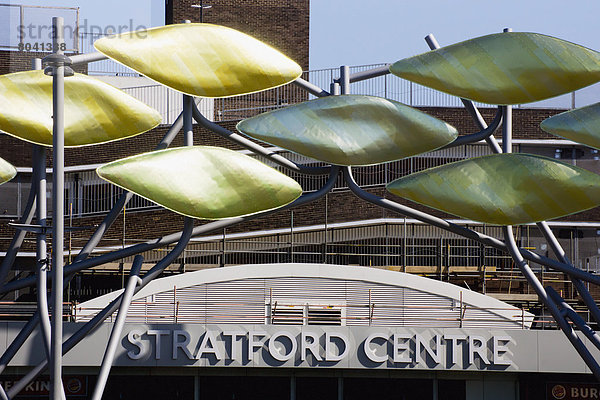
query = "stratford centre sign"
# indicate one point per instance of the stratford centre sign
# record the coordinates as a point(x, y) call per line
point(307, 346)
point(291, 346)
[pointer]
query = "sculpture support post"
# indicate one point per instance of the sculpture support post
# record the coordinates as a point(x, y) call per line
point(345, 79)
point(188, 127)
point(58, 147)
point(115, 335)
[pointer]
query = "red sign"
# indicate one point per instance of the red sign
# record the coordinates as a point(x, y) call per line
point(572, 391)
point(74, 386)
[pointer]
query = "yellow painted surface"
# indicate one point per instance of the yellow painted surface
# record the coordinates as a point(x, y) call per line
point(580, 125)
point(201, 59)
point(203, 182)
point(7, 171)
point(503, 189)
point(504, 68)
point(350, 130)
point(95, 112)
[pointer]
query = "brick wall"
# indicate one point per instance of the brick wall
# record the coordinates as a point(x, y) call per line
point(525, 121)
point(283, 24)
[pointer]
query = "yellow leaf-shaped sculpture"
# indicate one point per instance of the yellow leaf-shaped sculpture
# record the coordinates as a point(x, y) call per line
point(95, 112)
point(203, 182)
point(503, 189)
point(7, 171)
point(350, 130)
point(504, 68)
point(580, 125)
point(201, 59)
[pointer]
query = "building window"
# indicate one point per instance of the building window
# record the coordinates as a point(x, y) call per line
point(278, 313)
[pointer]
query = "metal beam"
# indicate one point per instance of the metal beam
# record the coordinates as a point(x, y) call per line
point(544, 298)
point(58, 187)
point(88, 58)
point(90, 326)
point(310, 88)
point(484, 134)
point(115, 335)
point(370, 73)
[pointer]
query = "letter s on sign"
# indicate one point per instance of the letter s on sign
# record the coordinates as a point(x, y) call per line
point(134, 338)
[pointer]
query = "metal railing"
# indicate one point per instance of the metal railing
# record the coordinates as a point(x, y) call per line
point(388, 86)
point(26, 27)
point(352, 314)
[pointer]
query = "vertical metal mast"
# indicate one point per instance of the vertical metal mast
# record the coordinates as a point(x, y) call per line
point(58, 182)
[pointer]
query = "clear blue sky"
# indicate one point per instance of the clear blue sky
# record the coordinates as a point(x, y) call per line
point(354, 32)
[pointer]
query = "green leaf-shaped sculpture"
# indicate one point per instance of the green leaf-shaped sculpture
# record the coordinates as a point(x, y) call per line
point(503, 189)
point(201, 59)
point(580, 125)
point(504, 68)
point(95, 112)
point(350, 130)
point(7, 171)
point(203, 182)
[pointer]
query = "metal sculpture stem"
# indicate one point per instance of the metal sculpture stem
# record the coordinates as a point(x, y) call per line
point(58, 185)
point(188, 127)
point(369, 74)
point(115, 335)
point(544, 298)
point(19, 236)
point(95, 322)
point(484, 134)
point(310, 88)
point(568, 312)
point(258, 149)
point(41, 252)
point(462, 231)
point(562, 257)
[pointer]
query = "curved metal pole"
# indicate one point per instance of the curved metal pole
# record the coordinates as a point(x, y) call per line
point(583, 351)
point(479, 121)
point(16, 344)
point(42, 306)
point(115, 335)
point(462, 231)
point(562, 257)
point(19, 236)
point(95, 322)
point(568, 312)
point(481, 135)
point(39, 161)
point(58, 187)
point(258, 149)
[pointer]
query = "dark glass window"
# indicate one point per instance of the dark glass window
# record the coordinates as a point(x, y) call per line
point(389, 389)
point(244, 388)
point(451, 389)
point(316, 388)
